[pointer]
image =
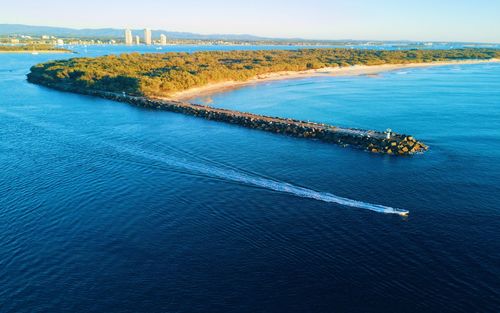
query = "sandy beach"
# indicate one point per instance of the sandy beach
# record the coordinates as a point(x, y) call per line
point(356, 70)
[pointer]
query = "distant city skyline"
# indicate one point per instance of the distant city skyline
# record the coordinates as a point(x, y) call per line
point(147, 36)
point(425, 20)
point(128, 37)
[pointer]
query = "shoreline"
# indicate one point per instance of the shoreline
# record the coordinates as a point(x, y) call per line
point(35, 51)
point(373, 141)
point(355, 70)
point(388, 142)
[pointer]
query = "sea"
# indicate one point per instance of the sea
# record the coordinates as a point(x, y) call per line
point(106, 207)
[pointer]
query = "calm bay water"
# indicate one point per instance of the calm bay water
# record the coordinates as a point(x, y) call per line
point(109, 208)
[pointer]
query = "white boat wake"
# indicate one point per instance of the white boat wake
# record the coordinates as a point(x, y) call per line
point(253, 180)
point(218, 171)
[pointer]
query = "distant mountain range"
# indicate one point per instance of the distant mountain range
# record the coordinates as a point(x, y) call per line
point(117, 33)
point(20, 29)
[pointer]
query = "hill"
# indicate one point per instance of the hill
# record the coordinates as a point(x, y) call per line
point(20, 29)
point(166, 74)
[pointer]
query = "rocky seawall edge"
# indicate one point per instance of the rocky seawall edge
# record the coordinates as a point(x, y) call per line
point(368, 140)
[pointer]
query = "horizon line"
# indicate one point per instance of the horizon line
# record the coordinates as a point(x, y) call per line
point(260, 37)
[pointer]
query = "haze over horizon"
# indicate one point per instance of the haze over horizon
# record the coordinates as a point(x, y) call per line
point(323, 20)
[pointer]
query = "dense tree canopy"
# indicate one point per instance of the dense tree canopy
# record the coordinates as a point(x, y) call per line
point(164, 74)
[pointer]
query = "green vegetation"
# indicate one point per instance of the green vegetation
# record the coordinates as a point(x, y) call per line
point(164, 74)
point(30, 48)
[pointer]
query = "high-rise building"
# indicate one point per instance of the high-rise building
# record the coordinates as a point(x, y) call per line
point(147, 36)
point(137, 40)
point(163, 40)
point(128, 37)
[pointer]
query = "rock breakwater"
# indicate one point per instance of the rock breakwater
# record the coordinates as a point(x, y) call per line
point(369, 140)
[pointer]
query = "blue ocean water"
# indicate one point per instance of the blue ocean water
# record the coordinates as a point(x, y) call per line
point(105, 207)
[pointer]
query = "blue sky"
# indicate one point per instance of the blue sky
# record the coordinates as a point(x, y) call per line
point(438, 20)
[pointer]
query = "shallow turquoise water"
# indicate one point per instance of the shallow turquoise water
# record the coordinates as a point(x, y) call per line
point(107, 207)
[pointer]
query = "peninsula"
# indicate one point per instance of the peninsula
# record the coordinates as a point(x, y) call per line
point(39, 48)
point(159, 81)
